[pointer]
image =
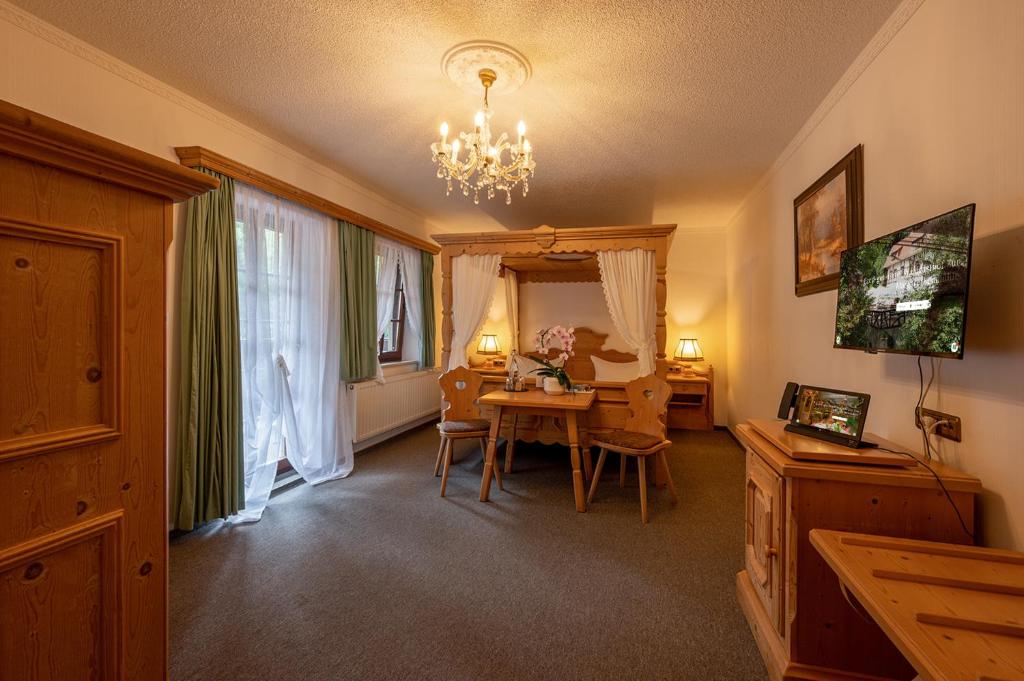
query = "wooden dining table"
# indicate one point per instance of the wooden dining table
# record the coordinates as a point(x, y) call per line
point(535, 402)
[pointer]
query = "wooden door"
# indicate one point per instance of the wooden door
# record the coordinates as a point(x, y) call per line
point(83, 526)
point(762, 553)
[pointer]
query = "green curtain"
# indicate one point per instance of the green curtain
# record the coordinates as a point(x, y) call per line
point(209, 478)
point(359, 302)
point(427, 293)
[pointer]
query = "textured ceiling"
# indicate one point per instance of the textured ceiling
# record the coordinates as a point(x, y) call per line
point(630, 105)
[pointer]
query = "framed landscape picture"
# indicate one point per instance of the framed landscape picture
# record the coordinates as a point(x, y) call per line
point(828, 219)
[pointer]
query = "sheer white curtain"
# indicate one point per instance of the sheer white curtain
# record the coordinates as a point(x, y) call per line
point(473, 280)
point(512, 308)
point(411, 272)
point(628, 280)
point(387, 253)
point(289, 294)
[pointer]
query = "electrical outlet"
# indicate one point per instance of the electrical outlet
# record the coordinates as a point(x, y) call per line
point(949, 430)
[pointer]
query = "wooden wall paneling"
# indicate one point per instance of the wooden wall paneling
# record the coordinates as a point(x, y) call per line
point(83, 533)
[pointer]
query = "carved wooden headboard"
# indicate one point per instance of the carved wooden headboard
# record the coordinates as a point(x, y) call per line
point(588, 344)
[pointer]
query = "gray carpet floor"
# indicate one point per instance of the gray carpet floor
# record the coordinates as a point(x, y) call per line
point(377, 577)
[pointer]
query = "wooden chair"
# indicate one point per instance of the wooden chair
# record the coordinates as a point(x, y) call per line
point(643, 436)
point(460, 420)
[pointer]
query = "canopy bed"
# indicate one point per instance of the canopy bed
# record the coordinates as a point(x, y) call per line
point(633, 260)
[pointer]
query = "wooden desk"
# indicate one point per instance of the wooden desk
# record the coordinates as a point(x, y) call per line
point(537, 402)
point(955, 612)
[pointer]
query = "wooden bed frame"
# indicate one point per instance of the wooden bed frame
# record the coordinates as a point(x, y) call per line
point(525, 252)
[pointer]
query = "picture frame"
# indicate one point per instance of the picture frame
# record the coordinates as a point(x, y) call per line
point(828, 218)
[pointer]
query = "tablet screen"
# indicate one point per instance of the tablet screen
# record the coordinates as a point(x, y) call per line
point(832, 411)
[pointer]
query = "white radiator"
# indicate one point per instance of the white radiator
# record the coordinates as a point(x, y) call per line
point(382, 409)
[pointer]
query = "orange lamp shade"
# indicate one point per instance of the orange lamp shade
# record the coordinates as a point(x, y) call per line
point(689, 350)
point(488, 345)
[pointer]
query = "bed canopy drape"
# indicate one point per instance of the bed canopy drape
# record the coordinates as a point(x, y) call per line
point(473, 280)
point(635, 258)
point(628, 280)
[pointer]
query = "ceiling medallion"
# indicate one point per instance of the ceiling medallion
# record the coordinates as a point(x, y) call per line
point(484, 168)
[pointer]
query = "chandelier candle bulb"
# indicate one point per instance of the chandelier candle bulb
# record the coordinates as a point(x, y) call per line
point(484, 170)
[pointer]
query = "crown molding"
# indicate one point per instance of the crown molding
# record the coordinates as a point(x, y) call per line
point(38, 138)
point(41, 29)
point(881, 39)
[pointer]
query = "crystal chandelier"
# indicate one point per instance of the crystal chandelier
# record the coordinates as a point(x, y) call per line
point(484, 169)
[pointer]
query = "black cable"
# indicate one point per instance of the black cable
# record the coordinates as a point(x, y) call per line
point(938, 479)
point(918, 421)
point(922, 395)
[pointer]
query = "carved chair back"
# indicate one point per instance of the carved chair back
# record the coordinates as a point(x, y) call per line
point(460, 388)
point(648, 405)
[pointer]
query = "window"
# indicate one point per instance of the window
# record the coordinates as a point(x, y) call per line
point(258, 243)
point(390, 345)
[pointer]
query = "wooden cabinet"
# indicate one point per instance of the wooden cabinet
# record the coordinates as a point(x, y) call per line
point(804, 626)
point(692, 405)
point(763, 536)
point(84, 226)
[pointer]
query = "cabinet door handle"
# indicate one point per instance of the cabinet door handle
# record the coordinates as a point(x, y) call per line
point(770, 550)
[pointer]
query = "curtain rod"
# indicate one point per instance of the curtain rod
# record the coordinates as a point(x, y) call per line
point(194, 157)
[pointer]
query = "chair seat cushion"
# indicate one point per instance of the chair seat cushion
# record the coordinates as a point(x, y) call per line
point(468, 426)
point(627, 439)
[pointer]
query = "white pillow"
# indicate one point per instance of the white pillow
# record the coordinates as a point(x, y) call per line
point(615, 372)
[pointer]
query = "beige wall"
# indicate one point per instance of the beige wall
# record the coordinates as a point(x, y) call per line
point(544, 305)
point(696, 303)
point(940, 112)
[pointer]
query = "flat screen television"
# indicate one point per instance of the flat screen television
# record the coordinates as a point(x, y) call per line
point(907, 291)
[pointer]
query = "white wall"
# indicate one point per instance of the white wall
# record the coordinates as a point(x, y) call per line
point(940, 112)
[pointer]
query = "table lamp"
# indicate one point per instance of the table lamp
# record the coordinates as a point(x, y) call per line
point(489, 346)
point(687, 352)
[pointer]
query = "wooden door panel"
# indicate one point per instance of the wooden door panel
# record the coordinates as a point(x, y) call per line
point(90, 296)
point(84, 227)
point(63, 594)
point(59, 306)
point(764, 536)
point(46, 492)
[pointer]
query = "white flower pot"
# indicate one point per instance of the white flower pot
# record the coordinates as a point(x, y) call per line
point(552, 386)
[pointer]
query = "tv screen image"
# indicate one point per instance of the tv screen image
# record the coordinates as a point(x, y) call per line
point(832, 411)
point(907, 291)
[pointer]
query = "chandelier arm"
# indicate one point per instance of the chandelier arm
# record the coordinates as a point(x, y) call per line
point(483, 168)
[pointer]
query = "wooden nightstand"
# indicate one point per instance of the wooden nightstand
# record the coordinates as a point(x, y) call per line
point(693, 400)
